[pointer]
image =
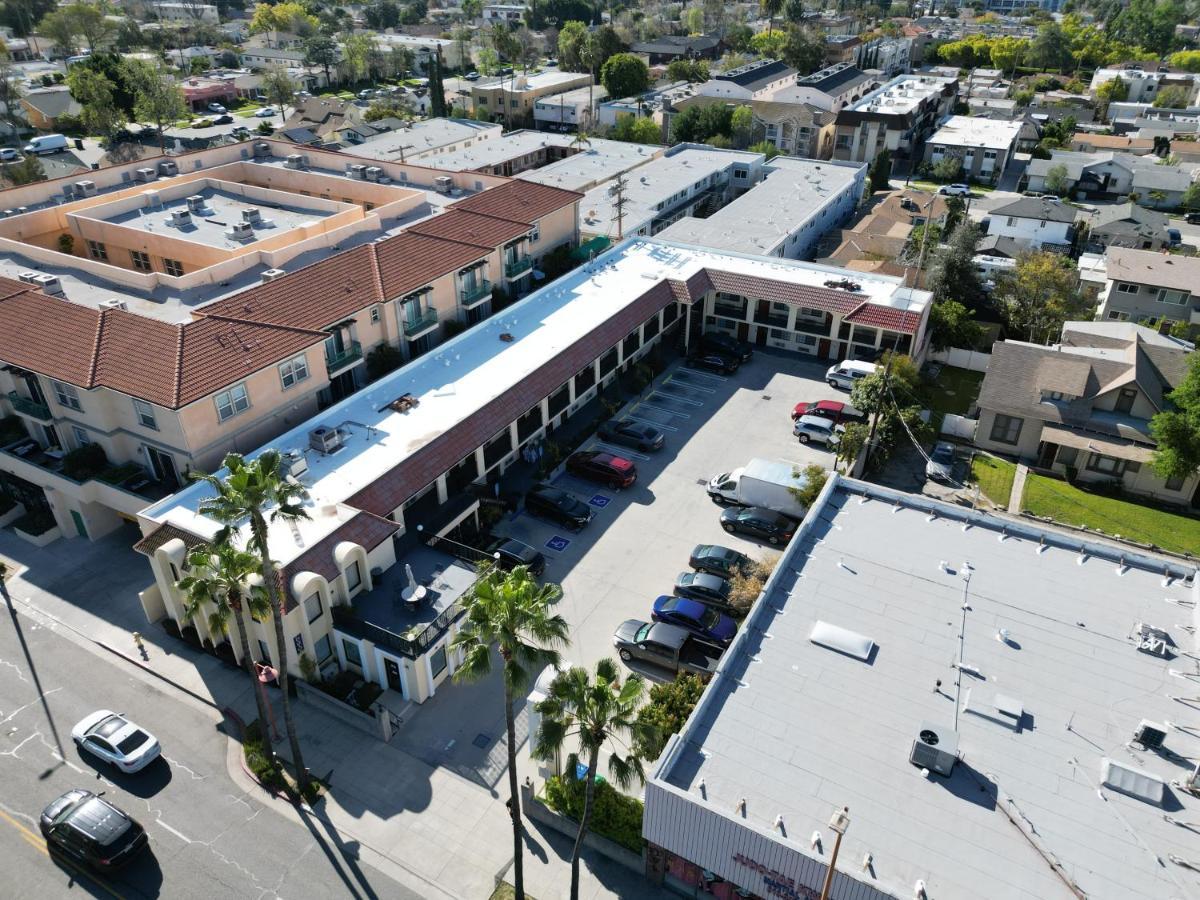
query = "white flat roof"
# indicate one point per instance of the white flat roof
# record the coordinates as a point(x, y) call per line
point(420, 138)
point(902, 94)
point(589, 167)
point(1052, 685)
point(971, 131)
point(509, 146)
point(468, 372)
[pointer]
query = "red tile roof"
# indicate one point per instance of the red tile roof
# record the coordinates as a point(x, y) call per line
point(465, 227)
point(365, 529)
point(49, 335)
point(519, 201)
point(411, 260)
point(886, 317)
point(784, 291)
point(164, 533)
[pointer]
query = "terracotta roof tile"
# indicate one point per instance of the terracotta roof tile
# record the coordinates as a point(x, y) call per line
point(365, 529)
point(10, 286)
point(519, 201)
point(50, 336)
point(785, 292)
point(886, 317)
point(466, 227)
point(138, 356)
point(164, 533)
point(410, 260)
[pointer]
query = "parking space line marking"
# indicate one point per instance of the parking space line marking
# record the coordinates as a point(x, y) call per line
point(671, 411)
point(693, 373)
point(620, 451)
point(692, 387)
point(667, 395)
point(643, 421)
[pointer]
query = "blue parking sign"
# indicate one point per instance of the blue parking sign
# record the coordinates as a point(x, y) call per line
point(558, 543)
point(600, 501)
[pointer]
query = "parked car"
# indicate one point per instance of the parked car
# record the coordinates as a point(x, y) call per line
point(665, 645)
point(631, 434)
point(472, 76)
point(558, 506)
point(705, 587)
point(714, 362)
point(694, 616)
point(223, 120)
point(1192, 218)
point(816, 430)
point(606, 468)
point(46, 143)
point(773, 527)
point(9, 154)
point(509, 554)
point(955, 190)
point(843, 375)
point(90, 830)
point(365, 94)
point(202, 123)
point(718, 560)
point(116, 740)
point(217, 108)
point(720, 342)
point(265, 113)
point(940, 467)
point(835, 410)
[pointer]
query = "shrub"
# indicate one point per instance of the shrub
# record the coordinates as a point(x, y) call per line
point(308, 668)
point(66, 243)
point(36, 522)
point(85, 462)
point(670, 705)
point(120, 474)
point(615, 816)
point(748, 583)
point(260, 760)
point(814, 481)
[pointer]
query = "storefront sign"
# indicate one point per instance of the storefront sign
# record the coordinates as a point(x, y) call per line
point(776, 883)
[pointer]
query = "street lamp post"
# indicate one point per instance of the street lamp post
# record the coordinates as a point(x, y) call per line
point(265, 674)
point(839, 822)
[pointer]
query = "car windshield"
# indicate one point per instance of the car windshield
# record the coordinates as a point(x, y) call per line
point(711, 619)
point(131, 743)
point(943, 454)
point(641, 633)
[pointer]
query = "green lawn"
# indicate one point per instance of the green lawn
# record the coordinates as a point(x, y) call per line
point(954, 391)
point(994, 477)
point(1072, 506)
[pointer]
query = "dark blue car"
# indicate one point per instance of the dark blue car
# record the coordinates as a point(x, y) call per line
point(702, 621)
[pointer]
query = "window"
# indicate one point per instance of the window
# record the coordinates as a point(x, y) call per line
point(173, 266)
point(1006, 429)
point(1174, 484)
point(145, 414)
point(1119, 316)
point(293, 371)
point(323, 649)
point(437, 661)
point(66, 395)
point(351, 652)
point(375, 314)
point(1175, 298)
point(231, 402)
point(1011, 221)
point(1067, 456)
point(535, 235)
point(97, 250)
point(1106, 465)
point(1124, 287)
point(1052, 395)
point(353, 577)
point(141, 261)
point(82, 438)
point(312, 607)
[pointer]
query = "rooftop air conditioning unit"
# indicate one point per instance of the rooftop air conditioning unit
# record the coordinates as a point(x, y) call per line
point(168, 168)
point(935, 748)
point(251, 215)
point(324, 440)
point(114, 303)
point(241, 231)
point(272, 274)
point(48, 283)
point(195, 203)
point(28, 277)
point(146, 174)
point(297, 464)
point(87, 188)
point(356, 171)
point(373, 173)
point(443, 183)
point(293, 161)
point(180, 218)
point(1150, 735)
point(261, 149)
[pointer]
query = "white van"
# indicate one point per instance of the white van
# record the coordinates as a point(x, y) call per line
point(47, 143)
point(844, 374)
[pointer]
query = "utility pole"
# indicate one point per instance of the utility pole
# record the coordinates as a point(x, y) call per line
point(887, 374)
point(924, 236)
point(619, 201)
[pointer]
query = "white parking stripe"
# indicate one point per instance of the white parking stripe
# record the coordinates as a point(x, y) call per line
point(669, 411)
point(649, 421)
point(689, 387)
point(694, 373)
point(668, 395)
point(619, 451)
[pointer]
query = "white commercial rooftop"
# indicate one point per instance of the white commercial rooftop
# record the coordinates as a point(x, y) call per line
point(422, 138)
point(971, 131)
point(659, 186)
point(902, 94)
point(471, 370)
point(592, 165)
point(1039, 654)
point(792, 193)
point(511, 146)
point(595, 94)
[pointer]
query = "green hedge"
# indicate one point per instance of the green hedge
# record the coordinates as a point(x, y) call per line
point(615, 816)
point(259, 758)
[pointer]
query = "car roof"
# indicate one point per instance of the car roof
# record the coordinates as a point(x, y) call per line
point(834, 405)
point(685, 606)
point(547, 490)
point(761, 512)
point(817, 422)
point(99, 819)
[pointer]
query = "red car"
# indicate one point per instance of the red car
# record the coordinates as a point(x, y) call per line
point(835, 410)
point(606, 468)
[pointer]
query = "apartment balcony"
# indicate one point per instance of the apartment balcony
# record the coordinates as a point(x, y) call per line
point(422, 324)
point(730, 311)
point(472, 297)
point(335, 360)
point(126, 487)
point(518, 267)
point(27, 407)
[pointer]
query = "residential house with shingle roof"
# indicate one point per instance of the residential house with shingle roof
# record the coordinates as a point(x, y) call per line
point(1114, 174)
point(1038, 223)
point(1127, 225)
point(1082, 407)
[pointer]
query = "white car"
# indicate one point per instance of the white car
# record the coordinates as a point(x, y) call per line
point(265, 113)
point(955, 190)
point(116, 740)
point(8, 154)
point(217, 108)
point(817, 430)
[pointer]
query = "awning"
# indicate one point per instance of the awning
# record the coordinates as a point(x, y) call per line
point(1095, 443)
point(596, 245)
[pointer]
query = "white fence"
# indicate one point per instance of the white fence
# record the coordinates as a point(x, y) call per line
point(963, 359)
point(959, 426)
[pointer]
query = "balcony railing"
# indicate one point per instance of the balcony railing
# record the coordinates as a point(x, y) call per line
point(517, 267)
point(27, 407)
point(730, 311)
point(473, 296)
point(411, 644)
point(415, 327)
point(339, 359)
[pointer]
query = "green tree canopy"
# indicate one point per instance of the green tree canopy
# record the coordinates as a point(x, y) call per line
point(952, 274)
point(636, 130)
point(624, 75)
point(881, 171)
point(1040, 294)
point(952, 325)
point(1177, 428)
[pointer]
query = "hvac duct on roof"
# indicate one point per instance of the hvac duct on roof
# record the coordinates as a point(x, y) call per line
point(1136, 783)
point(842, 640)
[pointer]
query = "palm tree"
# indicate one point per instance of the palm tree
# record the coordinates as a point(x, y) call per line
point(595, 710)
point(512, 611)
point(770, 9)
point(245, 493)
point(221, 582)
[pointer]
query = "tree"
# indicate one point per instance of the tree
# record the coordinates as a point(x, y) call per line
point(669, 707)
point(1148, 23)
point(10, 91)
point(624, 75)
point(741, 122)
point(356, 54)
point(472, 9)
point(487, 61)
point(437, 91)
point(881, 171)
point(738, 37)
point(68, 24)
point(874, 393)
point(636, 130)
point(1057, 180)
point(244, 494)
point(94, 92)
point(1177, 428)
point(952, 325)
point(804, 50)
point(769, 150)
point(693, 20)
point(322, 50)
point(770, 9)
point(1007, 52)
point(22, 15)
point(278, 88)
point(513, 612)
point(1049, 49)
point(59, 27)
point(694, 71)
point(222, 584)
point(288, 16)
point(948, 169)
point(1112, 91)
point(1040, 294)
point(382, 14)
point(158, 99)
point(595, 711)
point(952, 274)
point(1191, 196)
point(1172, 97)
point(27, 171)
point(570, 47)
point(1186, 60)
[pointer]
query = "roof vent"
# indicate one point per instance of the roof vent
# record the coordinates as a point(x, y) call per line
point(999, 708)
point(49, 284)
point(167, 168)
point(195, 203)
point(114, 303)
point(241, 231)
point(147, 174)
point(325, 440)
point(181, 218)
point(272, 274)
point(1136, 783)
point(404, 403)
point(293, 161)
point(1154, 641)
point(936, 748)
point(842, 640)
point(251, 215)
point(1150, 735)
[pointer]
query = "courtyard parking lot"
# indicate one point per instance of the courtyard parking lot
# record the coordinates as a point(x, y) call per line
point(639, 539)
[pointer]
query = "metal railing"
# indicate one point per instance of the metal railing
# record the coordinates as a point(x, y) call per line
point(481, 291)
point(518, 266)
point(28, 407)
point(339, 359)
point(421, 324)
point(411, 646)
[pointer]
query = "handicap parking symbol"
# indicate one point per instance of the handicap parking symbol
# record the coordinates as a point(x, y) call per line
point(558, 543)
point(600, 501)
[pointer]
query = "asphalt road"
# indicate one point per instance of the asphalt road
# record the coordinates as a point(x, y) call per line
point(207, 837)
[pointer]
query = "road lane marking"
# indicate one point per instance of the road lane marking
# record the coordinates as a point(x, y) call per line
point(179, 834)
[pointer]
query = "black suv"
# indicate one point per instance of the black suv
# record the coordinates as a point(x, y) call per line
point(558, 506)
point(509, 554)
point(730, 346)
point(91, 831)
